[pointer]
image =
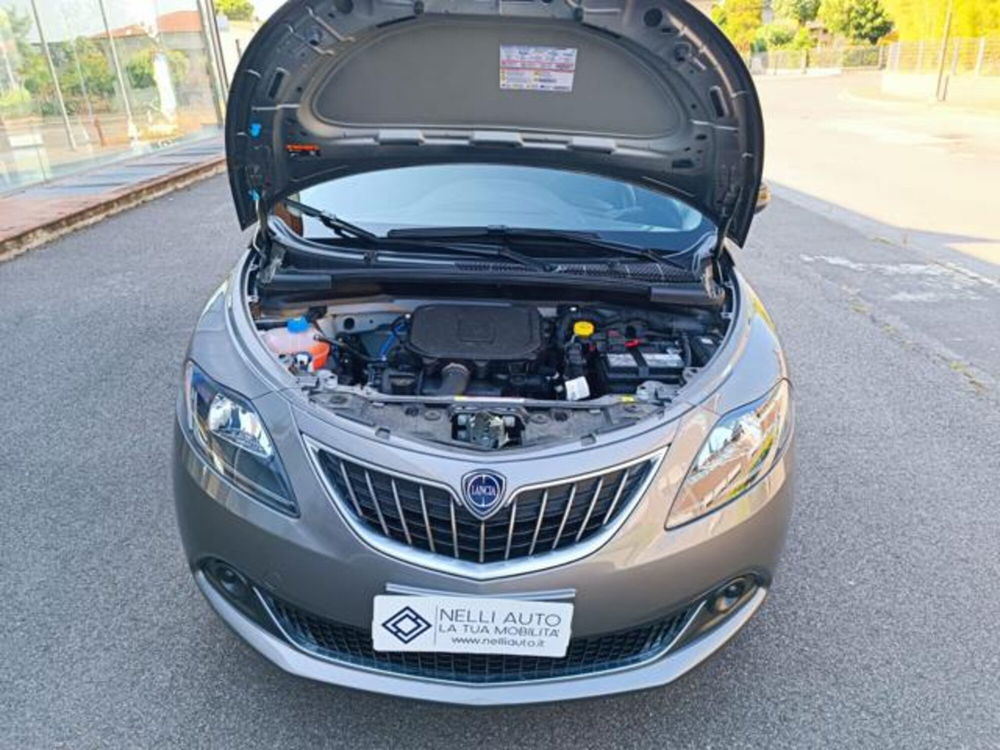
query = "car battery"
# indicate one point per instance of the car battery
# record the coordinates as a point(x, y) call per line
point(623, 371)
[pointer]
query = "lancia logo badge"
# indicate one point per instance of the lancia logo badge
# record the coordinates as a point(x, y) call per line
point(483, 493)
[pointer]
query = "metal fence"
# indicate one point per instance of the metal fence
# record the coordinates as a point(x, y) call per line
point(820, 58)
point(961, 56)
point(977, 56)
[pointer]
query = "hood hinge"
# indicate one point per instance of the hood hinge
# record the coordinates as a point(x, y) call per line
point(726, 213)
point(269, 253)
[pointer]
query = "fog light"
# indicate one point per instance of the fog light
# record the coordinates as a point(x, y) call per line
point(237, 589)
point(727, 597)
point(231, 583)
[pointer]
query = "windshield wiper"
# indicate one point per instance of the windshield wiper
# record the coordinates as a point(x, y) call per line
point(528, 235)
point(346, 229)
point(334, 223)
point(482, 251)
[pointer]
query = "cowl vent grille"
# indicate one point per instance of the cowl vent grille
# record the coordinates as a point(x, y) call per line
point(653, 272)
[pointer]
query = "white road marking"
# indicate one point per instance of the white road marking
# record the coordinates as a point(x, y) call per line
point(938, 281)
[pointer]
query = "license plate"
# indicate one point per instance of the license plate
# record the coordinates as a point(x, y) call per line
point(460, 625)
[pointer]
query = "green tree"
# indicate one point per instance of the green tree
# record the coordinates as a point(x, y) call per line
point(775, 35)
point(924, 19)
point(235, 10)
point(800, 11)
point(869, 21)
point(783, 34)
point(93, 78)
point(858, 20)
point(739, 19)
point(139, 67)
point(31, 68)
point(803, 39)
point(15, 103)
point(835, 15)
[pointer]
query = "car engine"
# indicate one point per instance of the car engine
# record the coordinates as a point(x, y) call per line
point(508, 350)
point(494, 366)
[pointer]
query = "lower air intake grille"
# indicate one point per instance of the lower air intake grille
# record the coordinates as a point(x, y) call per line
point(350, 645)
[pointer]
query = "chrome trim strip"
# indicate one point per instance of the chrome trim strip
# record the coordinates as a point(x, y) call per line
point(538, 525)
point(510, 531)
point(399, 509)
point(551, 595)
point(618, 495)
point(350, 489)
point(427, 522)
point(470, 569)
point(454, 530)
point(590, 508)
point(375, 502)
point(569, 507)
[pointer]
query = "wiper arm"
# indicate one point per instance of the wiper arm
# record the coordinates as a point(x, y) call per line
point(346, 229)
point(433, 237)
point(527, 235)
point(335, 223)
point(483, 251)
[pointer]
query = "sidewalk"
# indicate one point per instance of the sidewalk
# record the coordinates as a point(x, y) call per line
point(40, 213)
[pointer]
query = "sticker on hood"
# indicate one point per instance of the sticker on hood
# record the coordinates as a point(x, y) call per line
point(528, 68)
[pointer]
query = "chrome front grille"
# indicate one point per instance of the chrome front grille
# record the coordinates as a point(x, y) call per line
point(535, 521)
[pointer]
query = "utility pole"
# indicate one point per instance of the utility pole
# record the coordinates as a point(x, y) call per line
point(938, 93)
point(216, 60)
point(133, 131)
point(55, 77)
point(12, 81)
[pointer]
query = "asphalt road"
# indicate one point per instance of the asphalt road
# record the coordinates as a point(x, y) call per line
point(908, 175)
point(914, 172)
point(881, 630)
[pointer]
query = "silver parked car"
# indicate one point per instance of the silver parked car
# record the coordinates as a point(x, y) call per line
point(487, 414)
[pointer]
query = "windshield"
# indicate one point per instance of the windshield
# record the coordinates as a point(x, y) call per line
point(480, 195)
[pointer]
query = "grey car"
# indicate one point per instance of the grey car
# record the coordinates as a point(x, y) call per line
point(487, 414)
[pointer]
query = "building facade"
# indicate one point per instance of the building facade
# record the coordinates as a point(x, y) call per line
point(85, 82)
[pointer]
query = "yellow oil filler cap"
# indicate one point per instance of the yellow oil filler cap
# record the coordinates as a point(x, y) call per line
point(583, 329)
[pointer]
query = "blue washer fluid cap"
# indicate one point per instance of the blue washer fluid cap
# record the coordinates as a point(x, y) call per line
point(298, 325)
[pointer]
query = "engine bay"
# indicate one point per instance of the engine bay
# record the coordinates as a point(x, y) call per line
point(492, 374)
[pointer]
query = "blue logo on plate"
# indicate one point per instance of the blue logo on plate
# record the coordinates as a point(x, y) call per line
point(483, 493)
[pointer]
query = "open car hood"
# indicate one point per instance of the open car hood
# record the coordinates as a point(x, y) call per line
point(648, 92)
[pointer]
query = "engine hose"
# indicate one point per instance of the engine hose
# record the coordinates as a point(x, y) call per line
point(454, 379)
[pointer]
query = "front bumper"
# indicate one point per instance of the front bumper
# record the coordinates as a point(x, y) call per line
point(660, 671)
point(643, 574)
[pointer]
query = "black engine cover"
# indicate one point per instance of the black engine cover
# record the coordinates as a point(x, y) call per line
point(477, 332)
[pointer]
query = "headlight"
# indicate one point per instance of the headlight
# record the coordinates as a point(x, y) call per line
point(231, 436)
point(740, 449)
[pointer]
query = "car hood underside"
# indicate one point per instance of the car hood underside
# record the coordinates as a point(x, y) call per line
point(648, 92)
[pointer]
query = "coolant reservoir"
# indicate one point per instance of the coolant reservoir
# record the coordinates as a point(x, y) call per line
point(298, 337)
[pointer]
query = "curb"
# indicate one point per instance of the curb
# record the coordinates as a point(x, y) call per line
point(115, 203)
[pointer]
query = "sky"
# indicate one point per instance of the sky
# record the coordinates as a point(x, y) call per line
point(64, 19)
point(266, 7)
